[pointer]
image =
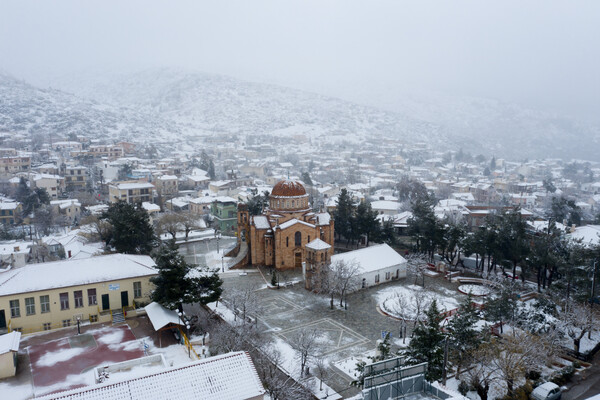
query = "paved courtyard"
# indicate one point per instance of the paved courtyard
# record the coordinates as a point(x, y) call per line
point(346, 332)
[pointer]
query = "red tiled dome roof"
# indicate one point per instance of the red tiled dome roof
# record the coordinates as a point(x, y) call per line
point(288, 188)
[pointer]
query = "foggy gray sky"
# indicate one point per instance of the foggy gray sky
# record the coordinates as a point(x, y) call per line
point(543, 54)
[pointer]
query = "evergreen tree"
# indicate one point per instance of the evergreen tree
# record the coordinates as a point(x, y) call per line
point(427, 344)
point(343, 215)
point(512, 240)
point(502, 307)
point(464, 337)
point(493, 163)
point(306, 178)
point(177, 283)
point(211, 170)
point(367, 222)
point(131, 231)
point(424, 227)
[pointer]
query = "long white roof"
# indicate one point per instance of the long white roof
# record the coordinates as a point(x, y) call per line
point(371, 258)
point(230, 376)
point(57, 274)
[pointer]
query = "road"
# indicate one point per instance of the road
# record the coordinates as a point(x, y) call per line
point(586, 384)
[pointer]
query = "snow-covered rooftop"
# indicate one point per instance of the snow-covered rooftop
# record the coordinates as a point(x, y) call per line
point(10, 342)
point(261, 222)
point(230, 376)
point(371, 258)
point(160, 316)
point(135, 185)
point(294, 221)
point(57, 274)
point(318, 244)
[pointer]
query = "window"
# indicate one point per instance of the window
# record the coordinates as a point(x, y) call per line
point(66, 322)
point(47, 326)
point(387, 275)
point(30, 306)
point(287, 242)
point(92, 301)
point(298, 239)
point(137, 289)
point(93, 318)
point(308, 239)
point(64, 301)
point(45, 304)
point(15, 309)
point(78, 297)
point(377, 278)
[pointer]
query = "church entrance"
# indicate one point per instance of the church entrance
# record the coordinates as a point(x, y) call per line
point(297, 260)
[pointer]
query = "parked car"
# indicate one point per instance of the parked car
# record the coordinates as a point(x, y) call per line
point(546, 391)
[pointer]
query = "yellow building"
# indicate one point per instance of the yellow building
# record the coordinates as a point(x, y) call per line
point(56, 294)
point(130, 192)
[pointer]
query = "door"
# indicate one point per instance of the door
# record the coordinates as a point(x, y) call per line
point(125, 299)
point(298, 260)
point(105, 302)
point(2, 320)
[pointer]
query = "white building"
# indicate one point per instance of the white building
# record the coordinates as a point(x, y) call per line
point(377, 264)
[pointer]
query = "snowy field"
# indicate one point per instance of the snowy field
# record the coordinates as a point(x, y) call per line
point(390, 298)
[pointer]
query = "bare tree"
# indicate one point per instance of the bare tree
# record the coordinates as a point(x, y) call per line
point(244, 301)
point(482, 373)
point(189, 223)
point(321, 370)
point(345, 278)
point(577, 320)
point(401, 307)
point(100, 228)
point(304, 342)
point(170, 223)
point(417, 265)
point(516, 354)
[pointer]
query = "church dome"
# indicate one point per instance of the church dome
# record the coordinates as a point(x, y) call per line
point(288, 196)
point(288, 188)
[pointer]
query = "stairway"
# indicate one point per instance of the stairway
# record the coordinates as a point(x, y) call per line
point(117, 317)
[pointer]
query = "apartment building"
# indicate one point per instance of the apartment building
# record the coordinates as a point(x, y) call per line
point(12, 165)
point(130, 192)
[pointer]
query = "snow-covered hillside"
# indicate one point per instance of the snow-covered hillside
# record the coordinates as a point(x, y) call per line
point(167, 104)
point(221, 104)
point(28, 109)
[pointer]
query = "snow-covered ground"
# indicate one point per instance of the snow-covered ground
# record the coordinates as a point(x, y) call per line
point(388, 296)
point(475, 290)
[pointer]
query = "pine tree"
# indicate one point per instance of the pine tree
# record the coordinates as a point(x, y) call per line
point(464, 338)
point(178, 283)
point(367, 222)
point(343, 214)
point(131, 231)
point(427, 344)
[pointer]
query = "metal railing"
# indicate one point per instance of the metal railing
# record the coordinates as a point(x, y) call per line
point(188, 345)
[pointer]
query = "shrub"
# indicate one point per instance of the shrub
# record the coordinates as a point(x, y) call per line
point(463, 388)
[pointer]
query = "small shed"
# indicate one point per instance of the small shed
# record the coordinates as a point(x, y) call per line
point(163, 319)
point(9, 346)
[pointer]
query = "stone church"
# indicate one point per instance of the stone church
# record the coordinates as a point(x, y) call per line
point(279, 237)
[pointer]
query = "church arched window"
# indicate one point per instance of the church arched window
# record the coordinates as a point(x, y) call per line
point(287, 242)
point(298, 239)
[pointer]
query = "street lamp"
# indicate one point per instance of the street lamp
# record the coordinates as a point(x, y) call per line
point(78, 325)
point(222, 265)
